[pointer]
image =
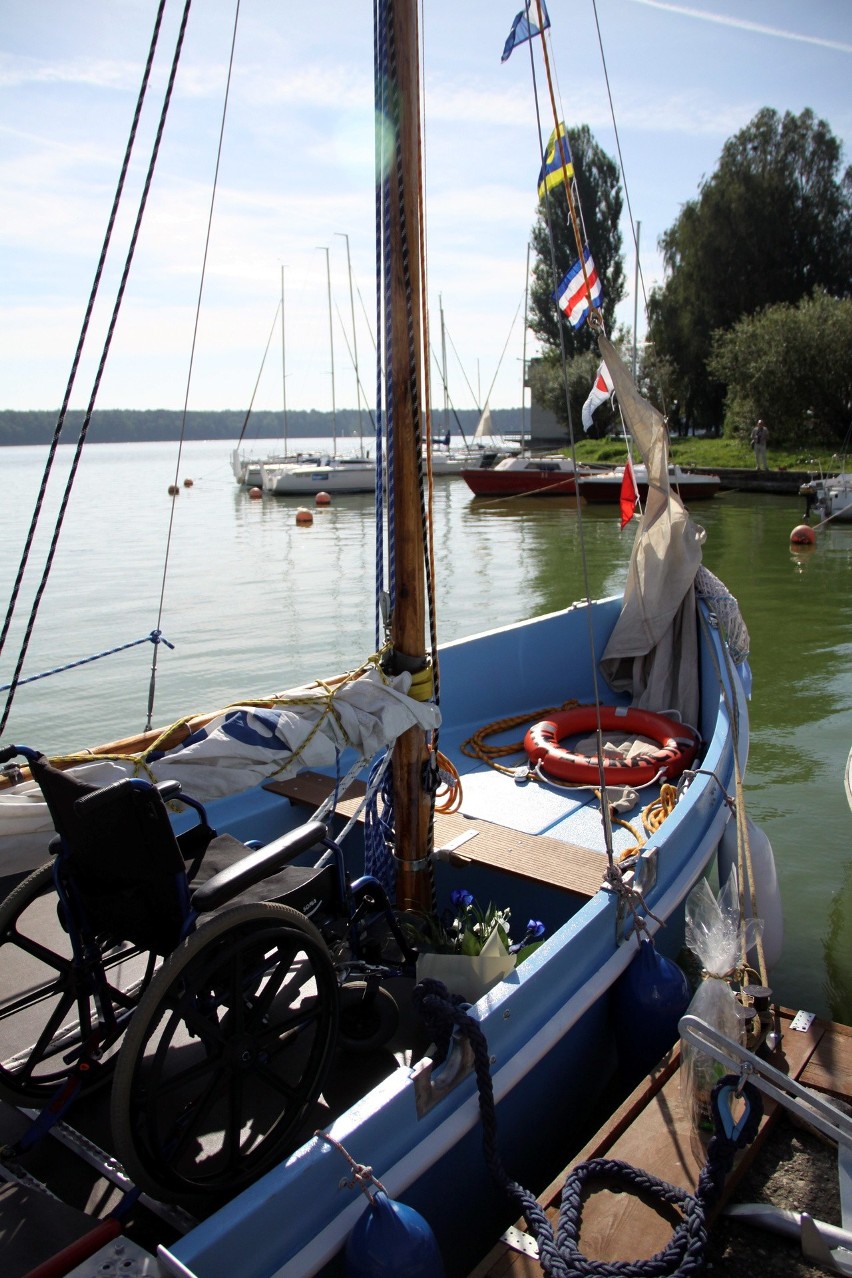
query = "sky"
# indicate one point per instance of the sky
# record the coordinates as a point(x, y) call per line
point(295, 178)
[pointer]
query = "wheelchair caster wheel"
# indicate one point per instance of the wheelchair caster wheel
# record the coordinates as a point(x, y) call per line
point(369, 1016)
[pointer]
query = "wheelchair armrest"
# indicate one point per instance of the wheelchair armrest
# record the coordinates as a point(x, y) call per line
point(256, 866)
point(168, 790)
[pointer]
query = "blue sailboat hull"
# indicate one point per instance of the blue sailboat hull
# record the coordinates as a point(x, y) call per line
point(547, 1026)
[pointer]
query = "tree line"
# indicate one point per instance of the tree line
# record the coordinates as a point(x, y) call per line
point(128, 425)
point(754, 317)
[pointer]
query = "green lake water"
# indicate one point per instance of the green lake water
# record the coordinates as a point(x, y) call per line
point(255, 603)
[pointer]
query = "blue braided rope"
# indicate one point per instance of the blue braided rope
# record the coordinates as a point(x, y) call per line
point(379, 829)
point(379, 85)
point(392, 112)
point(560, 1257)
point(155, 637)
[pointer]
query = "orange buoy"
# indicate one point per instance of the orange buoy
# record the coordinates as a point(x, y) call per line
point(304, 516)
point(255, 493)
point(803, 535)
point(322, 499)
point(187, 483)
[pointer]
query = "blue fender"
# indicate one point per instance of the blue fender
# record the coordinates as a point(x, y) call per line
point(649, 999)
point(391, 1239)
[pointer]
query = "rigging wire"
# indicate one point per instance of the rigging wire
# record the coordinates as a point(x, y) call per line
point(549, 214)
point(202, 281)
point(75, 363)
point(84, 429)
point(620, 157)
point(259, 373)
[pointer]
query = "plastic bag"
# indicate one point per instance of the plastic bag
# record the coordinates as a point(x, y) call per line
point(715, 933)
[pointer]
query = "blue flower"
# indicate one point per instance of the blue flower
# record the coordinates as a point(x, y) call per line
point(535, 930)
point(461, 899)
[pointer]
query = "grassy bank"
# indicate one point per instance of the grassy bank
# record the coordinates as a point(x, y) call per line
point(712, 453)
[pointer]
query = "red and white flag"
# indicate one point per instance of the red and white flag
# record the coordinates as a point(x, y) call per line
point(601, 390)
point(629, 495)
point(580, 287)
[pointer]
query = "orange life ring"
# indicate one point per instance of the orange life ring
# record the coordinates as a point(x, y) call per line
point(677, 746)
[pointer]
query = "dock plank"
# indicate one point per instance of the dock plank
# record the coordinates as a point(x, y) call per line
point(651, 1130)
point(538, 857)
point(830, 1067)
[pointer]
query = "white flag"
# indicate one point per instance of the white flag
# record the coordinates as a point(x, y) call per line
point(601, 390)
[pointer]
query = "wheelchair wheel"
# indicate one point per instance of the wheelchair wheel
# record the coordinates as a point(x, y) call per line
point(369, 1016)
point(57, 1008)
point(226, 1055)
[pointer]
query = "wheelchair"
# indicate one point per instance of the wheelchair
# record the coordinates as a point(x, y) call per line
point(208, 981)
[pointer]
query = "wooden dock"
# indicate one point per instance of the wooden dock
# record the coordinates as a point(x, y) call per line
point(651, 1130)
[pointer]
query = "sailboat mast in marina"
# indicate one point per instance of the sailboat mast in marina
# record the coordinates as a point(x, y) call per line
point(354, 344)
point(331, 350)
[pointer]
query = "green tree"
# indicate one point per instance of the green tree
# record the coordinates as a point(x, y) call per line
point(599, 191)
point(792, 366)
point(772, 223)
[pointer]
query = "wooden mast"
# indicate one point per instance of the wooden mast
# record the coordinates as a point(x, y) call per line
point(412, 804)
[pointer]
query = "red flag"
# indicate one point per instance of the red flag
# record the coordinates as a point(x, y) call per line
point(627, 500)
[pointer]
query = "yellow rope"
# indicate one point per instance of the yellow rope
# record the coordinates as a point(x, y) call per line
point(421, 690)
point(475, 748)
point(422, 684)
point(653, 816)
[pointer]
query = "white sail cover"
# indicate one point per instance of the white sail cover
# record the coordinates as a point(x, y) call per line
point(238, 749)
point(484, 428)
point(653, 650)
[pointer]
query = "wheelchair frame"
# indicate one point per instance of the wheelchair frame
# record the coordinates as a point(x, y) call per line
point(217, 1046)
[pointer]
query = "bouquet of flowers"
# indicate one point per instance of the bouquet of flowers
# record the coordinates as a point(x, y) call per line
point(469, 948)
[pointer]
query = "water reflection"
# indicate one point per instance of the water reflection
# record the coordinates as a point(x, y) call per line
point(254, 602)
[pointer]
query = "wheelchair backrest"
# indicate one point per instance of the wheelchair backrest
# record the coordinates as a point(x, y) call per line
point(123, 864)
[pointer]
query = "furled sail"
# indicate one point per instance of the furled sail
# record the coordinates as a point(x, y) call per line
point(653, 650)
point(308, 727)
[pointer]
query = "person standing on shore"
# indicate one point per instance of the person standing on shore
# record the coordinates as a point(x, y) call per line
point(759, 436)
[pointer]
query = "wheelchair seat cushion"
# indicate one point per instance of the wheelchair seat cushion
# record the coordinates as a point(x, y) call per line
point(303, 887)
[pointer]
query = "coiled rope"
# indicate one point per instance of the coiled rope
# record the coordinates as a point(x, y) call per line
point(653, 816)
point(476, 747)
point(560, 1256)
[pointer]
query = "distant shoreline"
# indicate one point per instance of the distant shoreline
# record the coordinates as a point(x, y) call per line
point(118, 426)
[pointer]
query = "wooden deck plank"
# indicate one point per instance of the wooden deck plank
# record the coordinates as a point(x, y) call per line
point(830, 1067)
point(651, 1130)
point(543, 859)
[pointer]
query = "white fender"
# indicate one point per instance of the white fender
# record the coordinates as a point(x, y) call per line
point(766, 890)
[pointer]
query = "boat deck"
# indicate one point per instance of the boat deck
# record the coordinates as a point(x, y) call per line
point(651, 1130)
point(541, 858)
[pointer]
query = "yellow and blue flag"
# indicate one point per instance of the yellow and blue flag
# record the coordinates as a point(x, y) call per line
point(557, 162)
